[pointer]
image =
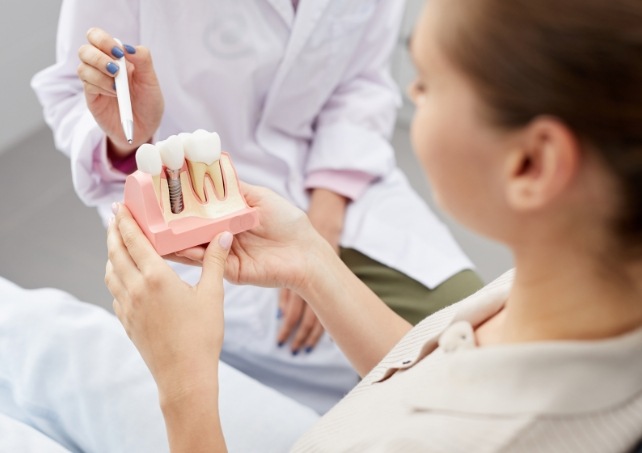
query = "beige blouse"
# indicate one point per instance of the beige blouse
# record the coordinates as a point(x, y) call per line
point(437, 392)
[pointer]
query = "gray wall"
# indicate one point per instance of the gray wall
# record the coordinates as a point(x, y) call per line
point(27, 34)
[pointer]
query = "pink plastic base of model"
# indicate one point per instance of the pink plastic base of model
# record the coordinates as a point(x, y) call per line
point(179, 234)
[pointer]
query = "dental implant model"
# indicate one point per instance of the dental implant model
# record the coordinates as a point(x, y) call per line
point(173, 156)
point(185, 192)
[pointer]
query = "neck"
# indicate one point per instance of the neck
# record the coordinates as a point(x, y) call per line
point(564, 294)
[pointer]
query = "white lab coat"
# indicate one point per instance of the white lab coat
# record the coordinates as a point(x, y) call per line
point(289, 95)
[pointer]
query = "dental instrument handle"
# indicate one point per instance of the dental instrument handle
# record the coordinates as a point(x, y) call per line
point(124, 99)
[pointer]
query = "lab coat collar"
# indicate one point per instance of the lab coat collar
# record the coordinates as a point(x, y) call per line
point(307, 17)
point(303, 22)
point(285, 10)
point(308, 14)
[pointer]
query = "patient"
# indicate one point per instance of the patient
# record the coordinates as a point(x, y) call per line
point(528, 125)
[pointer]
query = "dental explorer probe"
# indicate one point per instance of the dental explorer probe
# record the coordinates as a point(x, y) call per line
point(124, 99)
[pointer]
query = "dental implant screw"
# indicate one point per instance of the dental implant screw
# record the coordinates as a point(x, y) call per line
point(175, 190)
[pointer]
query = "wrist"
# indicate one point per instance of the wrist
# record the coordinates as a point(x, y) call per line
point(179, 388)
point(327, 213)
point(117, 152)
point(316, 274)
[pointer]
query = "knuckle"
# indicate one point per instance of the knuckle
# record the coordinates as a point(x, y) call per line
point(308, 324)
point(128, 237)
point(136, 293)
point(153, 278)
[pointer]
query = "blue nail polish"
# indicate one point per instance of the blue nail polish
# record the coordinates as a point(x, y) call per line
point(112, 68)
point(129, 49)
point(295, 352)
point(279, 314)
point(309, 349)
point(280, 344)
point(116, 52)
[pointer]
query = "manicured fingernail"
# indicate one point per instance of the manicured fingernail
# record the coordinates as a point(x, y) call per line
point(295, 352)
point(116, 52)
point(281, 343)
point(114, 208)
point(279, 314)
point(129, 49)
point(309, 349)
point(112, 67)
point(225, 240)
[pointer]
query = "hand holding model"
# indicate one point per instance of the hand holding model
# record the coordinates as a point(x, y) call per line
point(285, 251)
point(98, 70)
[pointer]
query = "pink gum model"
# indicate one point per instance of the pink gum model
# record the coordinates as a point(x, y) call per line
point(147, 198)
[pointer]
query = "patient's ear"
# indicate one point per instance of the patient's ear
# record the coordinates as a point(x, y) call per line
point(544, 164)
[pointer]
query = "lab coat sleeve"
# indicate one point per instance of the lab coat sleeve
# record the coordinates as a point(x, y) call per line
point(353, 129)
point(60, 92)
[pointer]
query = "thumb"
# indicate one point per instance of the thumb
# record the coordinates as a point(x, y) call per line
point(142, 60)
point(214, 261)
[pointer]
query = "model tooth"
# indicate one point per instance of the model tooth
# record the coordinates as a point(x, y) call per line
point(173, 156)
point(148, 160)
point(171, 152)
point(203, 151)
point(184, 136)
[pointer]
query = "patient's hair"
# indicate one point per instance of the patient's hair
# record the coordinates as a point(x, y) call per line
point(577, 60)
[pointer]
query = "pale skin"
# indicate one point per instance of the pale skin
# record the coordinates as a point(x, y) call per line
point(535, 188)
point(300, 326)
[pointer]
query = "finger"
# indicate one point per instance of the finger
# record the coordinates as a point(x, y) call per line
point(104, 42)
point(95, 78)
point(113, 282)
point(314, 337)
point(122, 265)
point(141, 57)
point(284, 296)
point(214, 262)
point(118, 311)
point(138, 246)
point(193, 256)
point(93, 90)
point(308, 322)
point(252, 194)
point(95, 58)
point(291, 317)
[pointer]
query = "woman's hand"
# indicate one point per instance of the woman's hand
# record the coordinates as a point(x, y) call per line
point(177, 328)
point(280, 252)
point(98, 69)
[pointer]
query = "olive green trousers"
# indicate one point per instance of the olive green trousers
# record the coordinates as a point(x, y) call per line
point(405, 296)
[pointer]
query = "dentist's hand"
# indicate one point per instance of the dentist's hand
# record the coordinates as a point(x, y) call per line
point(177, 328)
point(97, 70)
point(326, 213)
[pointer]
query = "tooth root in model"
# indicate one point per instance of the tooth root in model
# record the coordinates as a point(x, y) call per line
point(173, 157)
point(203, 152)
point(148, 160)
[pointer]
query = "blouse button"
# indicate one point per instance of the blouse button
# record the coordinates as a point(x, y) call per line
point(458, 336)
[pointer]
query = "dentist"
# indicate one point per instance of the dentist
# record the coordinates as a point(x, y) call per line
point(301, 95)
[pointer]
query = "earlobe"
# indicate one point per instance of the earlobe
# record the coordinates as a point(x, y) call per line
point(543, 167)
